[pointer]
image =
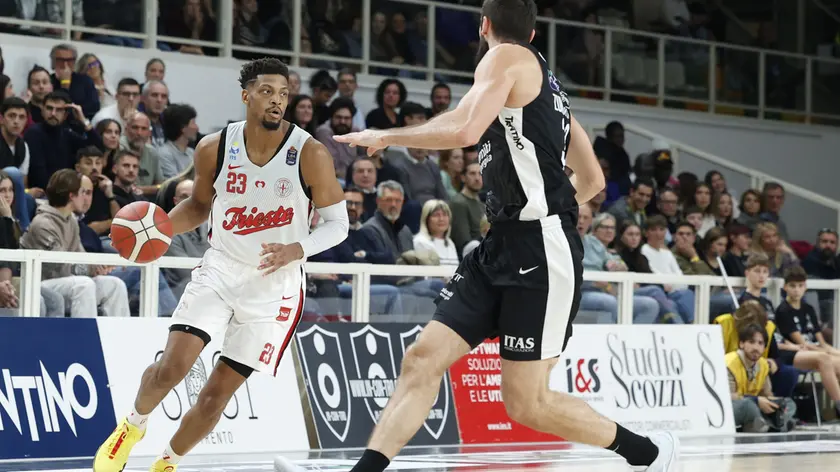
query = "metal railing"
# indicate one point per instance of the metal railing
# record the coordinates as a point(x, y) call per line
point(31, 262)
point(648, 68)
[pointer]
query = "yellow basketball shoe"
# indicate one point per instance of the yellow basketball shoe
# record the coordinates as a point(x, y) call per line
point(113, 453)
point(161, 465)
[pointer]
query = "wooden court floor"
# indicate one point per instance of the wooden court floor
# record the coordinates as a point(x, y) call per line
point(795, 452)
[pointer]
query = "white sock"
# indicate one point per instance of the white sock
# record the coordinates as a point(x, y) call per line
point(137, 419)
point(169, 456)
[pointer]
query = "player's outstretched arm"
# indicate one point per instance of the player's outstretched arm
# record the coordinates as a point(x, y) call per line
point(588, 178)
point(463, 126)
point(193, 211)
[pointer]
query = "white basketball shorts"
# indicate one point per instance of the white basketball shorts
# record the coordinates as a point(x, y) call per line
point(257, 313)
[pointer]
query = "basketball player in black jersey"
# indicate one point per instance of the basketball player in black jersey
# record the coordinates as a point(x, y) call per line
point(522, 284)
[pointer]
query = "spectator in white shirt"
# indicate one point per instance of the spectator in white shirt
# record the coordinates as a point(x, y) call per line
point(128, 96)
point(434, 232)
point(662, 261)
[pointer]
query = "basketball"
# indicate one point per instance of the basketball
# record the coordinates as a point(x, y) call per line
point(141, 232)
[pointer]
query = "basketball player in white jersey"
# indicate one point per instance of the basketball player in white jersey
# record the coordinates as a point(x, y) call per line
point(258, 180)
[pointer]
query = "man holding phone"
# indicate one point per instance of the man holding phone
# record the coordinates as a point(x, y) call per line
point(755, 408)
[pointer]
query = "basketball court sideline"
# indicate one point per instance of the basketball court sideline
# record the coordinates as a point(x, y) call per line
point(802, 452)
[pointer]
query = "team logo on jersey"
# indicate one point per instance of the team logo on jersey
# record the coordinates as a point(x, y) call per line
point(291, 156)
point(243, 224)
point(283, 187)
point(553, 82)
point(233, 152)
point(321, 356)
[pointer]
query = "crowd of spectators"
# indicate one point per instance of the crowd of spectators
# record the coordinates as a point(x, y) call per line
point(333, 27)
point(409, 206)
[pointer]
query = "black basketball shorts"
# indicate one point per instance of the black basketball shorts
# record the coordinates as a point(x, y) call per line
point(522, 285)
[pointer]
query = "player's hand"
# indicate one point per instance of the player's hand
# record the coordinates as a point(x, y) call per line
point(276, 256)
point(372, 139)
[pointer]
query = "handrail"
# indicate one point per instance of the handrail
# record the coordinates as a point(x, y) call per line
point(31, 261)
point(727, 164)
point(662, 95)
point(819, 4)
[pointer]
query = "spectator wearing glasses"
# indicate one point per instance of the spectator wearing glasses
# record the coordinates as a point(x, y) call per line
point(79, 87)
point(128, 97)
point(91, 66)
point(668, 206)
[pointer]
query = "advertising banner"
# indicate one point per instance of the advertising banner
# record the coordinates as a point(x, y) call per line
point(265, 414)
point(650, 377)
point(351, 370)
point(477, 389)
point(54, 396)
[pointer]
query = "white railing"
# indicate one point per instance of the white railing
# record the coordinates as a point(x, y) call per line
point(757, 178)
point(31, 262)
point(655, 73)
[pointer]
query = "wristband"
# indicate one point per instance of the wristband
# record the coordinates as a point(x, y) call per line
point(695, 259)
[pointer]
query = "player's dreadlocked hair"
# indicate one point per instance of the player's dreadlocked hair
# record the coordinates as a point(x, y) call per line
point(266, 65)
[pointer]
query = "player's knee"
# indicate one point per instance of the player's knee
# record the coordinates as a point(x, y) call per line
point(211, 403)
point(419, 360)
point(521, 402)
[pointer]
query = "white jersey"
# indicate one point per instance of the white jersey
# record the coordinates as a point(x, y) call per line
point(255, 205)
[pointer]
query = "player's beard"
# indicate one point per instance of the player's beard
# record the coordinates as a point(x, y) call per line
point(483, 47)
point(270, 125)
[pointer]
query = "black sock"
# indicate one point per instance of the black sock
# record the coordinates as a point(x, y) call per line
point(638, 450)
point(371, 461)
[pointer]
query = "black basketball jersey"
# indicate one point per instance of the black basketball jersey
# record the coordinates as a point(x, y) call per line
point(523, 156)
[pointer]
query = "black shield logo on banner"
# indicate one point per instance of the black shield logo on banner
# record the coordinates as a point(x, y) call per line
point(324, 365)
point(376, 369)
point(436, 420)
